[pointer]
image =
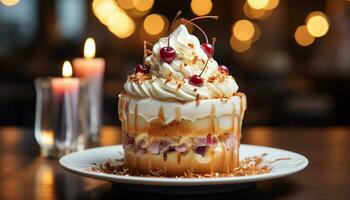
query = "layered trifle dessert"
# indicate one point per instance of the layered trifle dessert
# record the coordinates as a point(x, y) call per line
point(181, 111)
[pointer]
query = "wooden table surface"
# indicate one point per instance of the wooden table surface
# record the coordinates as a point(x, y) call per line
point(24, 174)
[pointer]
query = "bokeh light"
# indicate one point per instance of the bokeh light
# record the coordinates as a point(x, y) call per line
point(258, 4)
point(121, 25)
point(243, 30)
point(143, 5)
point(201, 7)
point(154, 24)
point(9, 2)
point(253, 13)
point(317, 24)
point(126, 4)
point(303, 37)
point(238, 45)
point(103, 9)
point(272, 4)
point(115, 18)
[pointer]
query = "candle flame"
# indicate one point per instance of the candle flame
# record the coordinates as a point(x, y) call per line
point(67, 69)
point(89, 48)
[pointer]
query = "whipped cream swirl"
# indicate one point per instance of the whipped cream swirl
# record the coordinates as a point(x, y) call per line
point(170, 81)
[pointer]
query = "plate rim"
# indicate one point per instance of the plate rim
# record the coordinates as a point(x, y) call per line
point(171, 181)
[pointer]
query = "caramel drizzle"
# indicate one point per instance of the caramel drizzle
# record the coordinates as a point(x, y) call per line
point(135, 117)
point(178, 114)
point(213, 126)
point(161, 117)
point(127, 115)
point(233, 126)
point(240, 118)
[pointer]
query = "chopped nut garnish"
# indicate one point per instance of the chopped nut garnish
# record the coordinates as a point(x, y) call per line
point(249, 166)
point(178, 86)
point(195, 59)
point(139, 77)
point(218, 77)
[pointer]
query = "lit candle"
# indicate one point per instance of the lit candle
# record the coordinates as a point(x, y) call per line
point(89, 67)
point(65, 93)
point(65, 84)
point(92, 70)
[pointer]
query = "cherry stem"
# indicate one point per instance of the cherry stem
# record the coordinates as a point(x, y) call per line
point(199, 28)
point(172, 25)
point(205, 66)
point(204, 17)
point(213, 41)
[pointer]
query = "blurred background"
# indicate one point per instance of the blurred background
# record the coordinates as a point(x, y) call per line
point(291, 57)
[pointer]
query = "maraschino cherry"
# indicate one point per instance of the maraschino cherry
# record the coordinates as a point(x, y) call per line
point(168, 54)
point(141, 68)
point(223, 69)
point(196, 80)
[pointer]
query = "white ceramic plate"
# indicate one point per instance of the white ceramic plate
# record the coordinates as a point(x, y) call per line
point(79, 162)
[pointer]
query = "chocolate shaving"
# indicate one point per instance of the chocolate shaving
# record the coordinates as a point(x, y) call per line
point(249, 166)
point(191, 45)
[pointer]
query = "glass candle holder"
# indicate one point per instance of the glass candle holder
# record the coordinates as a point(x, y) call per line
point(92, 71)
point(60, 116)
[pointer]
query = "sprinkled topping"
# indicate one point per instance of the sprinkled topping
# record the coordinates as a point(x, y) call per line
point(195, 59)
point(218, 77)
point(178, 86)
point(249, 166)
point(137, 77)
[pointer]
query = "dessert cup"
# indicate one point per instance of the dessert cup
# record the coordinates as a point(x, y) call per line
point(177, 137)
point(173, 125)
